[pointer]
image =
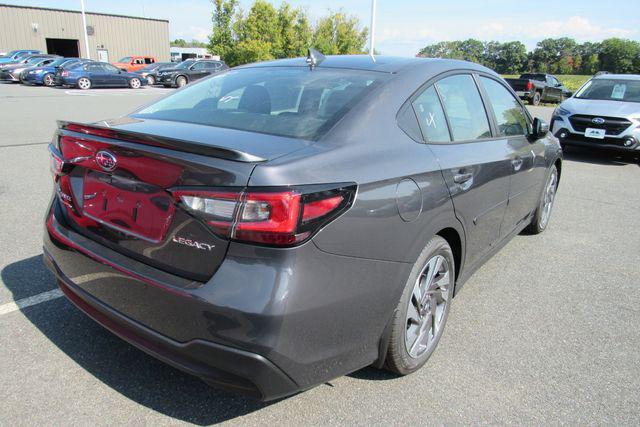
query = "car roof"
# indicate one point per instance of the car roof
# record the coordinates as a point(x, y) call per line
point(381, 63)
point(618, 76)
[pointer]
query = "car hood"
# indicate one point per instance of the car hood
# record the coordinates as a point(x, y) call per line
point(120, 64)
point(44, 68)
point(595, 107)
point(16, 67)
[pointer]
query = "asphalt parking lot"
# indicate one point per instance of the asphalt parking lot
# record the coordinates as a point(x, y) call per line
point(546, 332)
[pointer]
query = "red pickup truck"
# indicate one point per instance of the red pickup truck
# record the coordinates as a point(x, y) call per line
point(134, 63)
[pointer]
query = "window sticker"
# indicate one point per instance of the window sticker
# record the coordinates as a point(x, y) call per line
point(618, 91)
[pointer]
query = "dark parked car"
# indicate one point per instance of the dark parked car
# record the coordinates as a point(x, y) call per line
point(45, 74)
point(99, 74)
point(13, 72)
point(188, 71)
point(15, 55)
point(284, 223)
point(150, 72)
point(538, 87)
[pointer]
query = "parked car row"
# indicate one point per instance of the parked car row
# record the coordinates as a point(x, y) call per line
point(33, 67)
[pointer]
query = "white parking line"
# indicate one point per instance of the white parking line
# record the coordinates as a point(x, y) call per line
point(28, 302)
point(52, 294)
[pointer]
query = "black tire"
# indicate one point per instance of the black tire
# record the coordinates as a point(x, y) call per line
point(535, 99)
point(539, 223)
point(181, 81)
point(135, 83)
point(166, 85)
point(399, 359)
point(151, 80)
point(48, 80)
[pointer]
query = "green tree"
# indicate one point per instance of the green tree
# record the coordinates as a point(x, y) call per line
point(472, 50)
point(339, 34)
point(222, 40)
point(252, 50)
point(620, 55)
point(512, 58)
point(179, 43)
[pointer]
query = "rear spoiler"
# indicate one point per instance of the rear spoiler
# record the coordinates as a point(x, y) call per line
point(69, 128)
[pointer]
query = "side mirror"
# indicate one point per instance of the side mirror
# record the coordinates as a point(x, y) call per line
point(540, 128)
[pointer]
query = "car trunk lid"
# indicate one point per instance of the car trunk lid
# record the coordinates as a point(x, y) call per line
point(118, 187)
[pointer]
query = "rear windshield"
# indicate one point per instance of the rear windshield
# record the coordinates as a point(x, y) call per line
point(285, 101)
point(611, 90)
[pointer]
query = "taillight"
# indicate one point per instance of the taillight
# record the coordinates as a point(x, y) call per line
point(275, 217)
point(529, 85)
point(56, 162)
point(65, 74)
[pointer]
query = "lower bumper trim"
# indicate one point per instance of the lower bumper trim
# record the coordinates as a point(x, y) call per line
point(221, 366)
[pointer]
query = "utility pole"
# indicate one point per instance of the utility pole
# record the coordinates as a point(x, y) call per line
point(84, 29)
point(372, 36)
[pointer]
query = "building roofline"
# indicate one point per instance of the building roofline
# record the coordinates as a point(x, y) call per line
point(78, 12)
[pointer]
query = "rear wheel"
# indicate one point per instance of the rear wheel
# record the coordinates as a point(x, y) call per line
point(423, 308)
point(47, 80)
point(181, 81)
point(543, 212)
point(84, 83)
point(535, 100)
point(135, 83)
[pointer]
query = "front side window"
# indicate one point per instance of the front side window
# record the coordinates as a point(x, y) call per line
point(286, 101)
point(464, 108)
point(431, 117)
point(510, 117)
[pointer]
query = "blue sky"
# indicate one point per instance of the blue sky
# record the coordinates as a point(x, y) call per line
point(404, 26)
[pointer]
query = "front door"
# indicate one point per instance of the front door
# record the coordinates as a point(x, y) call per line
point(527, 166)
point(475, 165)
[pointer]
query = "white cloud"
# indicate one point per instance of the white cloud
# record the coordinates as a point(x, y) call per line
point(398, 39)
point(194, 33)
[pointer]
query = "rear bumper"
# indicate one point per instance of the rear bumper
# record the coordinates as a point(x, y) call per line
point(269, 323)
point(222, 366)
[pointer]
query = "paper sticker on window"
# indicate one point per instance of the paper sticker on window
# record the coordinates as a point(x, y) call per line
point(618, 91)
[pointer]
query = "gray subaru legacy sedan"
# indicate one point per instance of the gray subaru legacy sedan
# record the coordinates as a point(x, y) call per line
point(281, 224)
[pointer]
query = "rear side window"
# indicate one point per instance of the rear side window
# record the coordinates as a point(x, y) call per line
point(510, 118)
point(431, 116)
point(286, 101)
point(464, 108)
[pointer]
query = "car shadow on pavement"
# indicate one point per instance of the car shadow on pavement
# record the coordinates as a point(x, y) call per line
point(600, 157)
point(119, 365)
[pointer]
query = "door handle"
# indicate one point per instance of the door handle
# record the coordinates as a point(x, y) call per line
point(517, 163)
point(461, 178)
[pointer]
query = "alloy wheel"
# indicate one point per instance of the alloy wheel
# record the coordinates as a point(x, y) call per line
point(427, 308)
point(48, 80)
point(84, 83)
point(135, 83)
point(548, 197)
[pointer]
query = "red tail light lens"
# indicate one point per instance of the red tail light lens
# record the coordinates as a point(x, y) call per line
point(529, 85)
point(65, 74)
point(275, 218)
point(56, 162)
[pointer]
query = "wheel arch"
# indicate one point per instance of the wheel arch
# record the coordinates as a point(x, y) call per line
point(452, 237)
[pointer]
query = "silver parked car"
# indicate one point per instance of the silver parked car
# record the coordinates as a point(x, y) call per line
point(604, 112)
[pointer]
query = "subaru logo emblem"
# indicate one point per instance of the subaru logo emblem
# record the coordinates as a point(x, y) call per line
point(597, 120)
point(106, 160)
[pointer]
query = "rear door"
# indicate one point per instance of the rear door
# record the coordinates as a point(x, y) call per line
point(475, 165)
point(96, 74)
point(527, 165)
